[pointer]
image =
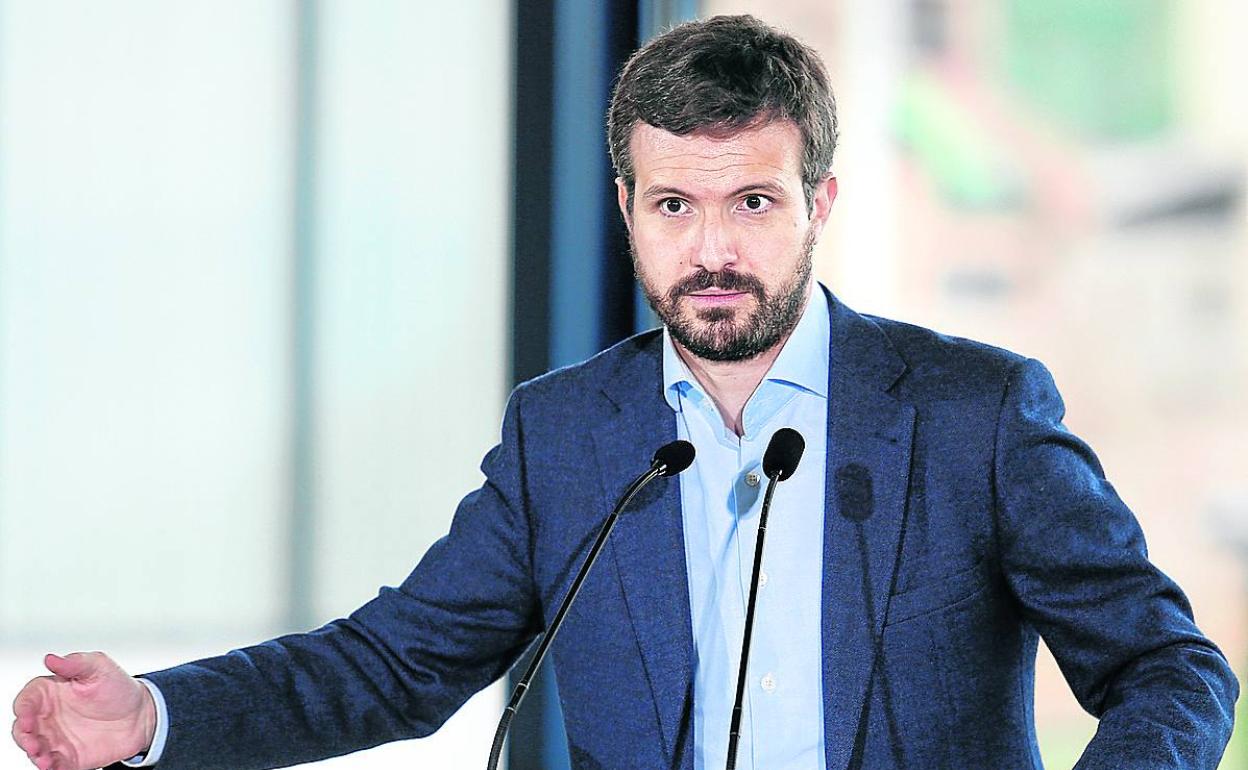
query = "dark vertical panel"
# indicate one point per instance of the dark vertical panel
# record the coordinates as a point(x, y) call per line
point(619, 309)
point(532, 151)
point(572, 291)
point(533, 94)
point(303, 327)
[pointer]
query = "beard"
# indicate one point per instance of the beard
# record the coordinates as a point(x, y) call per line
point(725, 333)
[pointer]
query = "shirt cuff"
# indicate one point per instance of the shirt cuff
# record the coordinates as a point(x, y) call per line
point(152, 755)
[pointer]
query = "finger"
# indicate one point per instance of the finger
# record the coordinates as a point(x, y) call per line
point(25, 723)
point(76, 665)
point(29, 701)
point(41, 760)
point(29, 747)
point(25, 741)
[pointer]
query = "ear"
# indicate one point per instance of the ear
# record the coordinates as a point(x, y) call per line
point(621, 195)
point(821, 206)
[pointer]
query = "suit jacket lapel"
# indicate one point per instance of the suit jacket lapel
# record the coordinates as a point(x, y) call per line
point(868, 458)
point(869, 442)
point(648, 541)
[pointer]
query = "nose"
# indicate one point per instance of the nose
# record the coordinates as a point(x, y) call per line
point(716, 249)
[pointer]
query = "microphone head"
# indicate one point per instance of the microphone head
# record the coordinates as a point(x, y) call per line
point(783, 454)
point(673, 458)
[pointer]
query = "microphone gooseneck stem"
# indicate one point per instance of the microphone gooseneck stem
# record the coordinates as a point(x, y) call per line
point(522, 687)
point(734, 731)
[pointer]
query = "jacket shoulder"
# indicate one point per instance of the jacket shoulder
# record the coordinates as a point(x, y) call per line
point(942, 366)
point(588, 377)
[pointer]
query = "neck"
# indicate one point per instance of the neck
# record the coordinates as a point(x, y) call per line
point(731, 383)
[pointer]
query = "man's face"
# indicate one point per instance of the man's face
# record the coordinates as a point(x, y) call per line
point(721, 235)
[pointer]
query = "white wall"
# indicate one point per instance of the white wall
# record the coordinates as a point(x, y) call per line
point(147, 187)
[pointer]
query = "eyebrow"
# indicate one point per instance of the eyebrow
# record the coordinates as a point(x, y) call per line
point(771, 188)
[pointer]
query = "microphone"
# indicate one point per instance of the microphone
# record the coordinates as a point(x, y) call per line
point(784, 452)
point(669, 460)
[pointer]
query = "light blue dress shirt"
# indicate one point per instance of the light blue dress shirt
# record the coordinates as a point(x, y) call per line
point(721, 497)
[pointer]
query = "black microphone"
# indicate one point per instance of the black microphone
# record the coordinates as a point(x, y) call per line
point(673, 458)
point(669, 460)
point(784, 452)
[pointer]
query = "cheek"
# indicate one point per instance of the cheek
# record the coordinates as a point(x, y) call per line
point(661, 249)
point(771, 257)
point(764, 249)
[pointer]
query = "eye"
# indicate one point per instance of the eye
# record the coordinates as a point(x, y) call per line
point(755, 203)
point(673, 207)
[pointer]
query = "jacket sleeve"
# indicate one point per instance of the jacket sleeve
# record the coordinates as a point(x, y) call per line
point(1121, 631)
point(396, 668)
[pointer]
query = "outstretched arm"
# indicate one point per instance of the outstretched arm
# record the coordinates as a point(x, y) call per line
point(396, 668)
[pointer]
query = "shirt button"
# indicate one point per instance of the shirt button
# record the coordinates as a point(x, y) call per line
point(762, 579)
point(768, 683)
point(752, 479)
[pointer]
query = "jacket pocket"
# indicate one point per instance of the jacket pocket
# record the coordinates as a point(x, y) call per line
point(938, 594)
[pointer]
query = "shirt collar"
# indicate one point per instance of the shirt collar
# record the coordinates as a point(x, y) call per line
point(803, 361)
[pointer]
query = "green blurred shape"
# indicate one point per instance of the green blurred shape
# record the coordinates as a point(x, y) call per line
point(1103, 68)
point(1236, 755)
point(969, 168)
point(1062, 745)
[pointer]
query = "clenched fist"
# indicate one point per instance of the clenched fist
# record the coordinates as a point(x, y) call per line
point(88, 714)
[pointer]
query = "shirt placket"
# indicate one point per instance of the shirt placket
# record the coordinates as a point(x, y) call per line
point(747, 497)
point(762, 682)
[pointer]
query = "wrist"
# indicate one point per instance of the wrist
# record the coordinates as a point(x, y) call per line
point(146, 728)
point(151, 726)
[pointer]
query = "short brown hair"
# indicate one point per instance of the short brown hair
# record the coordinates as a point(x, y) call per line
point(724, 74)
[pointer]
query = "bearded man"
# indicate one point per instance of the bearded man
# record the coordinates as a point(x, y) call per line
point(942, 520)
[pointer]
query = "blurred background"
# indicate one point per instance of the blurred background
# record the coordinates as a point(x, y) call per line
point(269, 269)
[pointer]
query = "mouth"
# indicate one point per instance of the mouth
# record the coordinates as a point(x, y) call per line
point(716, 296)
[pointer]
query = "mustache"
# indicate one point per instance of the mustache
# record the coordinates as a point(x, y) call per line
point(725, 280)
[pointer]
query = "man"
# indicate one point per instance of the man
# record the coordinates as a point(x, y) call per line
point(942, 517)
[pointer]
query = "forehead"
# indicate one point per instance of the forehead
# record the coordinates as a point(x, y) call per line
point(772, 150)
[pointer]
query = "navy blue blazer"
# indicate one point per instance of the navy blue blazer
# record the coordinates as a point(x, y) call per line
point(962, 521)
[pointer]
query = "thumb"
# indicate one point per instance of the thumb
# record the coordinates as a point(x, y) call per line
point(76, 665)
